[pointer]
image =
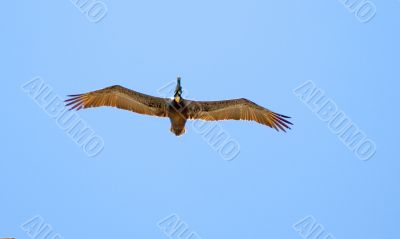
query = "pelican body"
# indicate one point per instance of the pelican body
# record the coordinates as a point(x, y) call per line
point(177, 109)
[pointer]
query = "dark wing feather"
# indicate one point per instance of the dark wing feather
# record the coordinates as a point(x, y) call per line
point(120, 97)
point(237, 109)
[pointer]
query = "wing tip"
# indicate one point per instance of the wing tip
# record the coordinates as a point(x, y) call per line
point(74, 102)
point(281, 122)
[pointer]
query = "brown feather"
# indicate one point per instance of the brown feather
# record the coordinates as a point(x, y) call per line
point(122, 98)
point(237, 109)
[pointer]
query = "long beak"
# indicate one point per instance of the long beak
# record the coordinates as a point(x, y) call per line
point(178, 85)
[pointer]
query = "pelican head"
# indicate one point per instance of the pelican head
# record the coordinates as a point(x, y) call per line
point(178, 91)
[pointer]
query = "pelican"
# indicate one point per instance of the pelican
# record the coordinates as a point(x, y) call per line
point(178, 109)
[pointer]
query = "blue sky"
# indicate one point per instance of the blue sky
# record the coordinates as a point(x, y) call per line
point(261, 50)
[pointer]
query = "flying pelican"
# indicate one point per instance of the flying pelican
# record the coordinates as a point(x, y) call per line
point(177, 109)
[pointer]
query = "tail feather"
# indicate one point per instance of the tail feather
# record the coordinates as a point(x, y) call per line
point(178, 131)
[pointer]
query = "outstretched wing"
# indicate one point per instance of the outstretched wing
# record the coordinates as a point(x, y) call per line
point(237, 109)
point(120, 97)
